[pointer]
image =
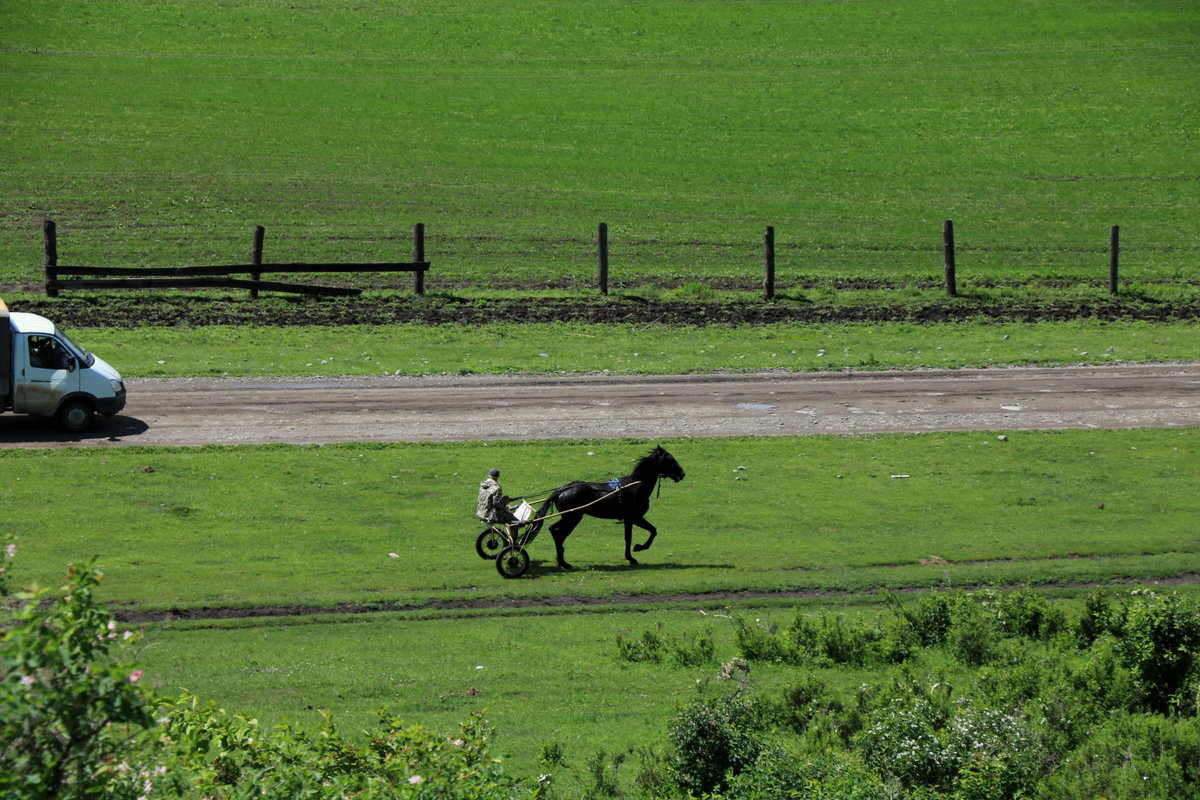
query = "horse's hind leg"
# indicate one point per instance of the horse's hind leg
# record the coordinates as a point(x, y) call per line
point(644, 525)
point(560, 531)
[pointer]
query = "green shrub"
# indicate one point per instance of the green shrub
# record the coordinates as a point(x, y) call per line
point(973, 638)
point(804, 701)
point(900, 641)
point(8, 554)
point(829, 776)
point(649, 647)
point(1159, 639)
point(759, 641)
point(655, 647)
point(998, 755)
point(1101, 674)
point(652, 775)
point(695, 652)
point(76, 723)
point(934, 615)
point(602, 771)
point(823, 640)
point(1097, 619)
point(231, 757)
point(1026, 614)
point(714, 738)
point(70, 705)
point(979, 753)
point(907, 740)
point(1130, 757)
point(853, 642)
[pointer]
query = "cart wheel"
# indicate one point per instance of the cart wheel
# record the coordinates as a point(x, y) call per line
point(489, 543)
point(512, 562)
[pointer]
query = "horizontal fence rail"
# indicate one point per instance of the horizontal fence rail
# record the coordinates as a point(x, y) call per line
point(60, 277)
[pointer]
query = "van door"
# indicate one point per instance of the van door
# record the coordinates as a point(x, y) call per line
point(45, 372)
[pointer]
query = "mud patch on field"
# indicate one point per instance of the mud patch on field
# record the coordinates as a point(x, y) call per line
point(118, 311)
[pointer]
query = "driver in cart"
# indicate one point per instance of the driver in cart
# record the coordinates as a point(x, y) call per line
point(492, 506)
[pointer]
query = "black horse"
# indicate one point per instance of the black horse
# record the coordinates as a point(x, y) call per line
point(626, 499)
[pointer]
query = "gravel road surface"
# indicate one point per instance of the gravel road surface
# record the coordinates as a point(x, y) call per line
point(196, 411)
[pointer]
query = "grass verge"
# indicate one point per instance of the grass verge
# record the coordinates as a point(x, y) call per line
point(631, 349)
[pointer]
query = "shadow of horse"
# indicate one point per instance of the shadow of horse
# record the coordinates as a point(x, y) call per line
point(542, 568)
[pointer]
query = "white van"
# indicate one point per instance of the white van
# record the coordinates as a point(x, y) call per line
point(43, 372)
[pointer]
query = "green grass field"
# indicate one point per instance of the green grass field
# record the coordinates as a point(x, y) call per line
point(158, 133)
point(220, 526)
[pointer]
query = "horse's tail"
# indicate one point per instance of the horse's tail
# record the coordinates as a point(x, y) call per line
point(547, 505)
point(551, 502)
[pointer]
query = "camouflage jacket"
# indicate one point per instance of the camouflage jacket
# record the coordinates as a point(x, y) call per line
point(491, 499)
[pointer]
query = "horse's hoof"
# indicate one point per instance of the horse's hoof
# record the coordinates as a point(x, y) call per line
point(564, 565)
point(633, 562)
point(637, 548)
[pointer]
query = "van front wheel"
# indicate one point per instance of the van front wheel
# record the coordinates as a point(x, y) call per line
point(76, 416)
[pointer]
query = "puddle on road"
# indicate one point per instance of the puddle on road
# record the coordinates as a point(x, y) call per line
point(300, 386)
point(265, 410)
point(757, 406)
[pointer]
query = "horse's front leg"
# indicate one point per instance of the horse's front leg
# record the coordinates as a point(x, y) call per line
point(646, 526)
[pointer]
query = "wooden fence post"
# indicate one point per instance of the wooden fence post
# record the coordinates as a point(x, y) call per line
point(769, 263)
point(948, 258)
point(419, 256)
point(602, 251)
point(50, 248)
point(1114, 250)
point(256, 254)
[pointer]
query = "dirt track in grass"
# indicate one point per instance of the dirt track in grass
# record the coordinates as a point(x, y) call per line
point(558, 604)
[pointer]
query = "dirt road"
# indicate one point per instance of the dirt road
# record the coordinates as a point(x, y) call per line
point(195, 411)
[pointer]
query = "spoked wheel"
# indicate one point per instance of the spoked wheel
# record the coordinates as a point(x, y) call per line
point(489, 543)
point(512, 562)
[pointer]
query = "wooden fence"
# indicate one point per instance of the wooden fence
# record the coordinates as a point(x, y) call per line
point(59, 278)
point(948, 259)
point(221, 276)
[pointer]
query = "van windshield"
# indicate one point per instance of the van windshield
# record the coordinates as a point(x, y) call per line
point(85, 358)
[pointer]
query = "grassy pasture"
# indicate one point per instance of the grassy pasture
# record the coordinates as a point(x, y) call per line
point(157, 133)
point(247, 526)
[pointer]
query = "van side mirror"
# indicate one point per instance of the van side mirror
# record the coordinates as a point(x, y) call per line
point(72, 364)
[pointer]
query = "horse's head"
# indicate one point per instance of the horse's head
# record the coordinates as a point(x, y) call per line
point(666, 464)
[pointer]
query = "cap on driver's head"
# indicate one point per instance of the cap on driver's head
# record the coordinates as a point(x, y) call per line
point(493, 472)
